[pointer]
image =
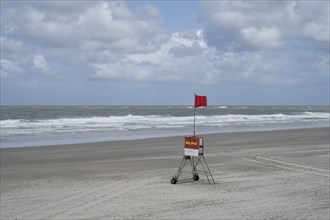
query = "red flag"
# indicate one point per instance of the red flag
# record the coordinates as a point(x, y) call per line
point(200, 101)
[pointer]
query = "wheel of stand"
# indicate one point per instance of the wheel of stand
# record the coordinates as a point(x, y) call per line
point(196, 177)
point(173, 181)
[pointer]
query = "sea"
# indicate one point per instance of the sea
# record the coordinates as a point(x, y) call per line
point(25, 126)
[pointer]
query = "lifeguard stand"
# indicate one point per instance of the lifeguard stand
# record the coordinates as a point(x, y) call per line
point(193, 154)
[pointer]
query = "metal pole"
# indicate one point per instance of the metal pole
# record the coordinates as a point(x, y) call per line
point(194, 113)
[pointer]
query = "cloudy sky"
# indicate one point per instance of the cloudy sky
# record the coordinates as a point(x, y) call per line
point(161, 52)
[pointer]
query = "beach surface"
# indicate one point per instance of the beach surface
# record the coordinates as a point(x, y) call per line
point(280, 174)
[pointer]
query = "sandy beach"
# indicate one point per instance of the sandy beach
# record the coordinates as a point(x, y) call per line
point(259, 175)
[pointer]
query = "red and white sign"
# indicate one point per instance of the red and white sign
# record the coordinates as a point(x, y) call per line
point(192, 145)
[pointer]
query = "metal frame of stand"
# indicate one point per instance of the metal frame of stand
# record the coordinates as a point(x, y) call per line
point(194, 162)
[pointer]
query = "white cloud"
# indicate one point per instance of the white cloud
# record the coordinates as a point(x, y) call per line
point(108, 40)
point(9, 68)
point(263, 38)
point(193, 39)
point(251, 25)
point(10, 45)
point(319, 32)
point(123, 69)
point(240, 14)
point(271, 42)
point(39, 30)
point(232, 18)
point(39, 63)
point(111, 25)
point(185, 57)
point(291, 10)
point(42, 28)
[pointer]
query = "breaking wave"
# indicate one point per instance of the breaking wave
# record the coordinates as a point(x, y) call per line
point(137, 122)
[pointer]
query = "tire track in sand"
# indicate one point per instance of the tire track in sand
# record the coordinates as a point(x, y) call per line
point(288, 165)
point(48, 208)
point(100, 198)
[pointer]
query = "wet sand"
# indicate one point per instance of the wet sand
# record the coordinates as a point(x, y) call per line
point(271, 174)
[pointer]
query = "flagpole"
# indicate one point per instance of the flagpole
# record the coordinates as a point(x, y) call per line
point(194, 112)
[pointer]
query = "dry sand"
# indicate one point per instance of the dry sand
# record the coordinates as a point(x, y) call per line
point(259, 175)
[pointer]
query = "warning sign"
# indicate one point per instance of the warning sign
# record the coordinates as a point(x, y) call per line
point(191, 146)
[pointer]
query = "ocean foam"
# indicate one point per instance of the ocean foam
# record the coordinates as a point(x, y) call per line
point(135, 122)
point(23, 132)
